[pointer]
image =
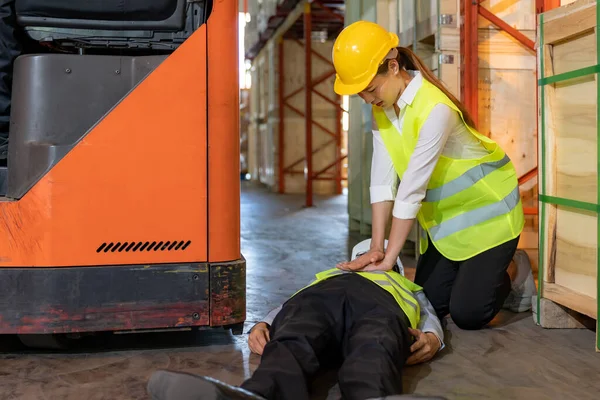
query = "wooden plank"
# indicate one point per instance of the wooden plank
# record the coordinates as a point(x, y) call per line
point(520, 14)
point(450, 7)
point(549, 168)
point(448, 46)
point(507, 113)
point(565, 23)
point(577, 53)
point(574, 120)
point(568, 8)
point(450, 72)
point(497, 49)
point(449, 34)
point(571, 299)
point(576, 247)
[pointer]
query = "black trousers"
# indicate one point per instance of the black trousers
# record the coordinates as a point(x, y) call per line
point(346, 318)
point(471, 291)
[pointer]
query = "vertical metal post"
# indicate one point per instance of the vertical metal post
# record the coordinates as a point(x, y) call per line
point(308, 102)
point(415, 19)
point(338, 147)
point(470, 57)
point(281, 104)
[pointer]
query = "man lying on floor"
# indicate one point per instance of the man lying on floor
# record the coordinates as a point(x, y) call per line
point(375, 323)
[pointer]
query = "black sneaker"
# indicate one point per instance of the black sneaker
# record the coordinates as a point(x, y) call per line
point(168, 385)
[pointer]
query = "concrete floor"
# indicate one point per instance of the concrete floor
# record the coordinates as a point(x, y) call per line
point(285, 245)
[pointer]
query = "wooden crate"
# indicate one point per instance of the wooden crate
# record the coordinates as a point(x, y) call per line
point(568, 111)
point(263, 132)
point(295, 124)
point(437, 36)
point(448, 45)
point(507, 98)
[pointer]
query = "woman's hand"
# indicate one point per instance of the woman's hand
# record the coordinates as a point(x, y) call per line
point(370, 257)
point(424, 348)
point(258, 338)
point(383, 265)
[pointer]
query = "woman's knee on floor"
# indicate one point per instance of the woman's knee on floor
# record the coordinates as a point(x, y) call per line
point(470, 316)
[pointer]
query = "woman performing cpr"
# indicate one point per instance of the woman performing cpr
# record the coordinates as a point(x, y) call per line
point(460, 185)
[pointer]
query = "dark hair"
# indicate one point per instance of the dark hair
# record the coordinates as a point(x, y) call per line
point(410, 61)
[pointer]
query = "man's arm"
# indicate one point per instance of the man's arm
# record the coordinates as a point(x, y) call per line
point(429, 322)
point(268, 319)
point(259, 334)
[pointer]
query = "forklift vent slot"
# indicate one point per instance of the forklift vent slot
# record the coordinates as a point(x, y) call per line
point(143, 246)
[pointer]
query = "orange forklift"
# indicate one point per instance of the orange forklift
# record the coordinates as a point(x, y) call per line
point(120, 202)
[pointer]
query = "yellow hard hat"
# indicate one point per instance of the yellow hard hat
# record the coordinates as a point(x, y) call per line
point(357, 53)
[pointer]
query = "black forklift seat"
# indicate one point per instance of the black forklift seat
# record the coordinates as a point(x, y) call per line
point(109, 14)
point(111, 24)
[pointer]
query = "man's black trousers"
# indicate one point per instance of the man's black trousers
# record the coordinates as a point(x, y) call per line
point(345, 318)
point(471, 291)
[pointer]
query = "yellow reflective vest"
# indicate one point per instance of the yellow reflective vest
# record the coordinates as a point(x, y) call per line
point(471, 205)
point(397, 285)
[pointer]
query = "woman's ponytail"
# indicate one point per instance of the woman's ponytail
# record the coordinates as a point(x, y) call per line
point(410, 61)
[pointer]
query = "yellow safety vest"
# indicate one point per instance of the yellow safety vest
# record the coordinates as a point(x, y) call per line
point(471, 205)
point(400, 287)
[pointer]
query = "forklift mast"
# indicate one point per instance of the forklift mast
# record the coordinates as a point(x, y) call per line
point(122, 205)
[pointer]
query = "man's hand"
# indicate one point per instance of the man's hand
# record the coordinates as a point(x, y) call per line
point(258, 338)
point(424, 348)
point(370, 257)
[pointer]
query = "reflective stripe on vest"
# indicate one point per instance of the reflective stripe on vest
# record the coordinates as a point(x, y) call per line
point(412, 300)
point(394, 283)
point(470, 205)
point(465, 180)
point(476, 216)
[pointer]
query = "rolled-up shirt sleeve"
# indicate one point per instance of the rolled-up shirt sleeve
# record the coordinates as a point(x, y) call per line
point(430, 144)
point(428, 321)
point(384, 180)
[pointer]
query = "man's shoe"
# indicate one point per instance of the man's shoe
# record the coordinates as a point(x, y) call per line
point(523, 286)
point(168, 385)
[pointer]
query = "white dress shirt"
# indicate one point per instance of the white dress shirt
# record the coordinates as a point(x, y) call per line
point(442, 133)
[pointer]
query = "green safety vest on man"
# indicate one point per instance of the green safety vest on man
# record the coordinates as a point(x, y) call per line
point(397, 285)
point(471, 205)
